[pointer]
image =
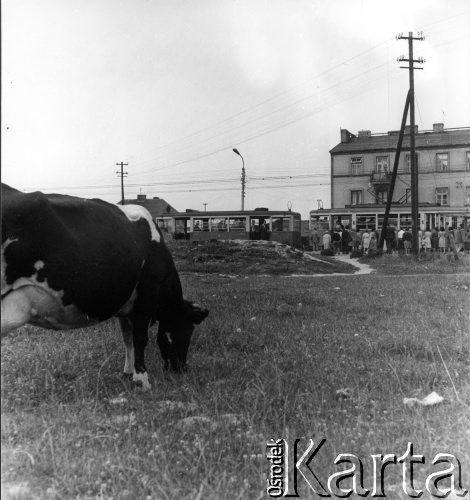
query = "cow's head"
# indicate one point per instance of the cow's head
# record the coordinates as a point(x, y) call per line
point(174, 335)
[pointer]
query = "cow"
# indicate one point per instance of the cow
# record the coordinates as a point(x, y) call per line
point(69, 262)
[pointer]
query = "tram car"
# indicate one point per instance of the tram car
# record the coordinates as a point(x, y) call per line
point(259, 224)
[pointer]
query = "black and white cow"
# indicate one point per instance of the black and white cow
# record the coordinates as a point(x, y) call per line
point(69, 262)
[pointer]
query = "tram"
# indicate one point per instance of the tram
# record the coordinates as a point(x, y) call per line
point(259, 224)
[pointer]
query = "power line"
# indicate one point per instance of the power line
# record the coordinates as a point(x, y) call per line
point(231, 140)
point(272, 98)
point(174, 183)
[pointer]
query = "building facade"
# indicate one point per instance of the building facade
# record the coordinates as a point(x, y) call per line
point(361, 168)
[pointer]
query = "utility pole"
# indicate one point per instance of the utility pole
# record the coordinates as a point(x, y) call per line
point(394, 174)
point(235, 150)
point(205, 206)
point(414, 166)
point(122, 174)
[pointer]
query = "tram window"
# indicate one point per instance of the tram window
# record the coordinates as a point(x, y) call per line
point(163, 224)
point(218, 224)
point(392, 220)
point(365, 222)
point(237, 224)
point(405, 220)
point(296, 224)
point(280, 224)
point(201, 225)
point(180, 226)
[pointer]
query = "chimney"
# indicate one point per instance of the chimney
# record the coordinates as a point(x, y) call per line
point(141, 197)
point(346, 136)
point(438, 127)
point(363, 133)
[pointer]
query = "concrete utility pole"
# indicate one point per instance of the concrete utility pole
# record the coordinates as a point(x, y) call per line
point(414, 166)
point(122, 174)
point(235, 150)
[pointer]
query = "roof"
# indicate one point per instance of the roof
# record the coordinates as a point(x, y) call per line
point(156, 206)
point(235, 213)
point(388, 142)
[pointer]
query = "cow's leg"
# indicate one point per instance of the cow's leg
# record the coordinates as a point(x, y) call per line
point(16, 310)
point(140, 338)
point(126, 328)
point(164, 343)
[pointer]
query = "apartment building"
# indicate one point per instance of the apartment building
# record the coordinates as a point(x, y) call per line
point(361, 167)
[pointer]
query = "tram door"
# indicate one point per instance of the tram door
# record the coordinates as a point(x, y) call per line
point(259, 228)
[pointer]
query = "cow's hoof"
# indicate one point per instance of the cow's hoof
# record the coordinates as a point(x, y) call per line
point(142, 379)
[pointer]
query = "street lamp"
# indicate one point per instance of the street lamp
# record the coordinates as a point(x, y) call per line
point(235, 150)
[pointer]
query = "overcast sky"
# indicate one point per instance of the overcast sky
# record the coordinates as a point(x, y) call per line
point(170, 87)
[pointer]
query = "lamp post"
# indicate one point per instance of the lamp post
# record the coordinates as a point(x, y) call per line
point(235, 150)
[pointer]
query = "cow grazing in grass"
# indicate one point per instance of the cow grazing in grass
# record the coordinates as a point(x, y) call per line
point(69, 262)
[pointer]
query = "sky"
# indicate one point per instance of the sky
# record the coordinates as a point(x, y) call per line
point(171, 87)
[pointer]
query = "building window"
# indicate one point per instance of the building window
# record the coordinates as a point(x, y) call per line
point(381, 164)
point(468, 196)
point(468, 160)
point(442, 162)
point(356, 197)
point(442, 196)
point(408, 162)
point(381, 197)
point(356, 165)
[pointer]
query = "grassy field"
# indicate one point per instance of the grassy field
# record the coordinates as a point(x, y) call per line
point(431, 263)
point(265, 364)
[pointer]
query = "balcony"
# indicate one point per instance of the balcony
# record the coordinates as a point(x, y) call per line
point(380, 181)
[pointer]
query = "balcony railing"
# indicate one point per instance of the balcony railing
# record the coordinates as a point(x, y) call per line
point(380, 177)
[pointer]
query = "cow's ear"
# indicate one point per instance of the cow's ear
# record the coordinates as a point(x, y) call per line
point(195, 313)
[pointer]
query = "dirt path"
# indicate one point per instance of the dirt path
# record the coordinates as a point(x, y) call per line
point(361, 268)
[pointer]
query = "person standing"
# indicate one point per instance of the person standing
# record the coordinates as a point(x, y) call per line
point(264, 231)
point(390, 239)
point(458, 237)
point(407, 237)
point(426, 241)
point(373, 241)
point(345, 238)
point(365, 240)
point(315, 238)
point(442, 239)
point(326, 240)
point(352, 239)
point(420, 240)
point(401, 247)
point(447, 233)
point(434, 240)
point(336, 238)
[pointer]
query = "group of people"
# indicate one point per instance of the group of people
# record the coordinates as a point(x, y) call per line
point(344, 239)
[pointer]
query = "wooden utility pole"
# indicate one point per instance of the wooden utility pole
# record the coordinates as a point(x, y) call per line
point(122, 174)
point(414, 166)
point(394, 174)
